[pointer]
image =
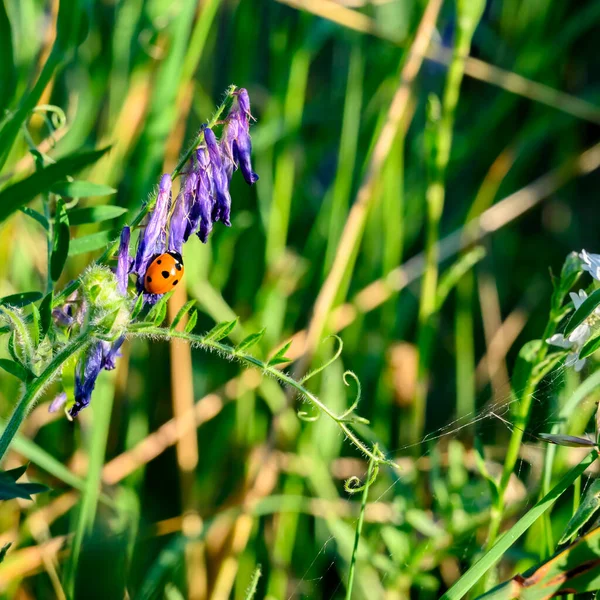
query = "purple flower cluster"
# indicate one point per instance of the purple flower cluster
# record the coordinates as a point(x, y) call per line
point(203, 199)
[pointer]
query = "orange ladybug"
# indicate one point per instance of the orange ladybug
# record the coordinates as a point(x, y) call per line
point(164, 273)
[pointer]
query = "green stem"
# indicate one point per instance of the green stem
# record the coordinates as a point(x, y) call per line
point(440, 132)
point(359, 526)
point(342, 423)
point(35, 388)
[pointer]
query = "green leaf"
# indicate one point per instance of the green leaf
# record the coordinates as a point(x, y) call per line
point(221, 330)
point(35, 325)
point(189, 326)
point(587, 509)
point(8, 76)
point(10, 489)
point(590, 347)
point(60, 245)
point(20, 300)
point(36, 216)
point(22, 192)
point(94, 241)
point(583, 312)
point(45, 314)
point(14, 368)
point(250, 341)
point(158, 312)
point(81, 189)
point(280, 356)
point(95, 214)
point(137, 308)
point(182, 312)
point(17, 472)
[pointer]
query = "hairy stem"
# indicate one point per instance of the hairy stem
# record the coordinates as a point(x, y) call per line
point(284, 378)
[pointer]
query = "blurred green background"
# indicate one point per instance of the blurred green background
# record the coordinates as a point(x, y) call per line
point(205, 469)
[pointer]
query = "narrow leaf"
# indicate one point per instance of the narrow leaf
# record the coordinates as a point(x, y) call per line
point(583, 312)
point(590, 347)
point(60, 245)
point(22, 192)
point(14, 368)
point(95, 214)
point(221, 330)
point(94, 241)
point(159, 311)
point(8, 76)
point(280, 356)
point(36, 216)
point(587, 509)
point(250, 341)
point(35, 325)
point(81, 189)
point(17, 472)
point(20, 300)
point(45, 314)
point(189, 326)
point(137, 308)
point(182, 312)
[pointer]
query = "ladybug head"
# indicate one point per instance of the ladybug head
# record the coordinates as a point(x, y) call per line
point(176, 256)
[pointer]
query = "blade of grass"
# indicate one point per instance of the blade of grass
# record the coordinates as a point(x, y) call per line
point(102, 407)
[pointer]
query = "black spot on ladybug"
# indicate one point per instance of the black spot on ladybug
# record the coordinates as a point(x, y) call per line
point(165, 274)
point(159, 262)
point(176, 282)
point(149, 279)
point(178, 267)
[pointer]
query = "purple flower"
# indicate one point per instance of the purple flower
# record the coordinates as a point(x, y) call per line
point(87, 371)
point(236, 144)
point(179, 222)
point(222, 208)
point(205, 201)
point(153, 240)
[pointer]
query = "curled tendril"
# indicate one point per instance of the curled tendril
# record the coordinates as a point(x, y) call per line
point(346, 416)
point(353, 485)
point(335, 356)
point(57, 118)
point(303, 415)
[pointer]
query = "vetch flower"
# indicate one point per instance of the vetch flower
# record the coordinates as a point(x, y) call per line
point(123, 262)
point(153, 240)
point(222, 208)
point(235, 143)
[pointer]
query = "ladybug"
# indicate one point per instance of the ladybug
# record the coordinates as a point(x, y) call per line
point(164, 273)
